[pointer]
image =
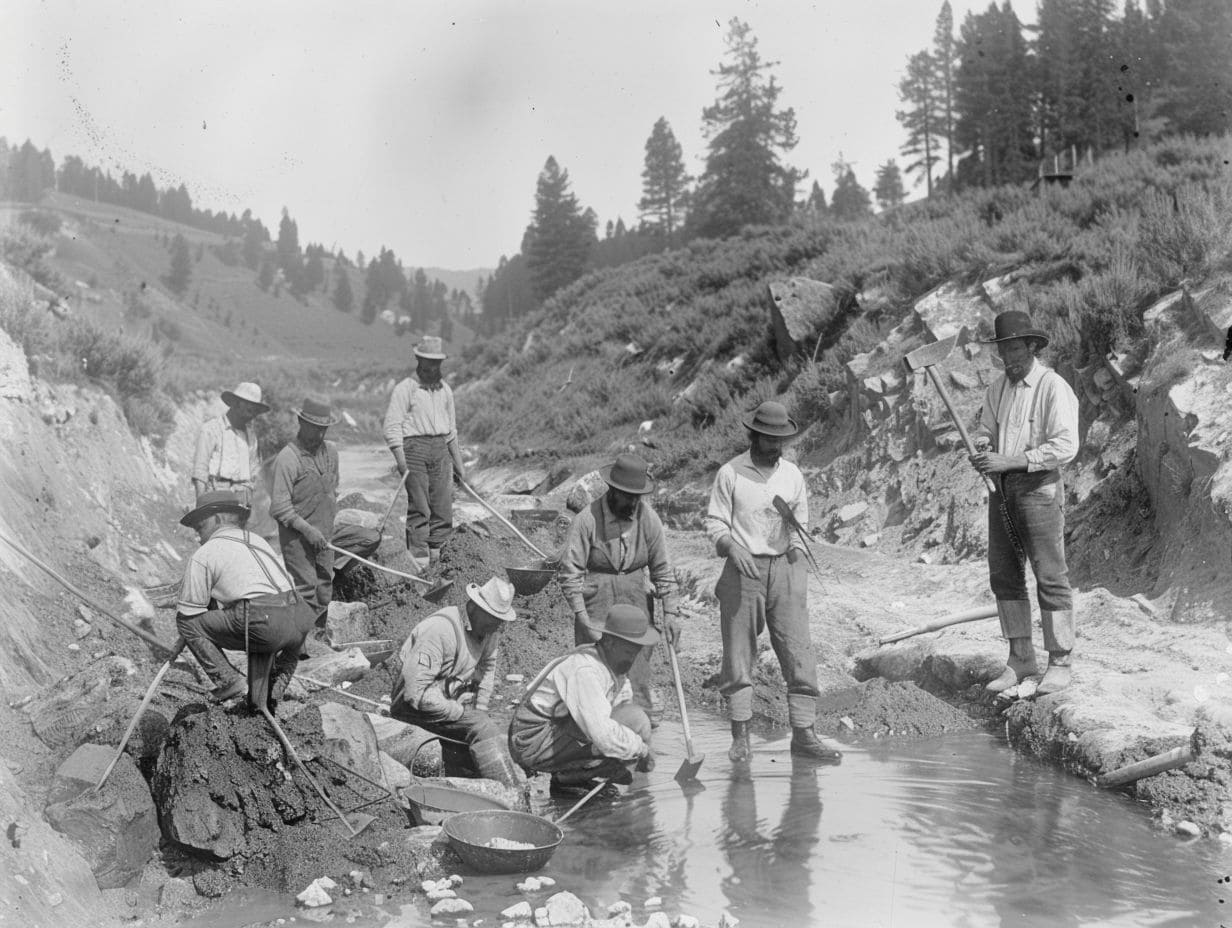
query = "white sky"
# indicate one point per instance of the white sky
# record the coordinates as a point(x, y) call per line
point(422, 126)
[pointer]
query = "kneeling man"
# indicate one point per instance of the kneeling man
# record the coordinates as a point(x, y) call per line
point(446, 681)
point(236, 595)
point(577, 720)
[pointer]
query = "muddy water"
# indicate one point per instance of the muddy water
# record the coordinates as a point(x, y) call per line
point(953, 831)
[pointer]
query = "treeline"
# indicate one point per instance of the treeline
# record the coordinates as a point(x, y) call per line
point(990, 104)
point(409, 301)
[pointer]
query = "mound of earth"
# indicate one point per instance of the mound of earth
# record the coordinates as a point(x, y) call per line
point(880, 708)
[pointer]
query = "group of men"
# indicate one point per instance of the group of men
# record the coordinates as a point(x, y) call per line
point(586, 716)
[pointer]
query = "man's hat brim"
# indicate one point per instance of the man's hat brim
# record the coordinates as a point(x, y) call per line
point(1029, 333)
point(231, 399)
point(204, 512)
point(605, 473)
point(313, 420)
point(649, 637)
point(789, 430)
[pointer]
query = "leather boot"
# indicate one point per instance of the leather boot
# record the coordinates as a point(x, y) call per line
point(492, 760)
point(740, 750)
point(805, 743)
point(1018, 666)
point(1058, 675)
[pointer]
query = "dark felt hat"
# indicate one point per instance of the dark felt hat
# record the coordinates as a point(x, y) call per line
point(628, 473)
point(317, 411)
point(1014, 323)
point(211, 502)
point(770, 418)
point(631, 624)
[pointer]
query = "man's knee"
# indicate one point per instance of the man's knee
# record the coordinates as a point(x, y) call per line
point(634, 717)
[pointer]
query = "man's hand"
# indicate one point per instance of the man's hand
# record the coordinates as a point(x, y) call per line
point(646, 762)
point(989, 462)
point(793, 555)
point(671, 628)
point(400, 462)
point(467, 699)
point(582, 620)
point(315, 538)
point(739, 555)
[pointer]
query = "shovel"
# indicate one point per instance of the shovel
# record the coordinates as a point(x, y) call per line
point(789, 517)
point(436, 591)
point(509, 525)
point(358, 820)
point(692, 762)
point(397, 490)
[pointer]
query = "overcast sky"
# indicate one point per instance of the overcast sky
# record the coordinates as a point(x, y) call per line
point(422, 126)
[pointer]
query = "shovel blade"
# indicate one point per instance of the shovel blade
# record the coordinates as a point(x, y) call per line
point(437, 592)
point(356, 822)
point(689, 767)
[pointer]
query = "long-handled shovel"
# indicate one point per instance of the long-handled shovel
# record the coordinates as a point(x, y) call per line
point(509, 525)
point(971, 615)
point(397, 490)
point(436, 591)
point(692, 762)
point(176, 648)
point(362, 820)
point(789, 517)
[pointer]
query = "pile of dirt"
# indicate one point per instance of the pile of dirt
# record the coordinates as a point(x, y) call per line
point(879, 708)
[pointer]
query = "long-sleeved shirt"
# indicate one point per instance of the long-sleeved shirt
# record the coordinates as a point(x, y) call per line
point(413, 411)
point(440, 660)
point(228, 568)
point(600, 542)
point(305, 486)
point(741, 505)
point(1037, 416)
point(584, 688)
point(225, 452)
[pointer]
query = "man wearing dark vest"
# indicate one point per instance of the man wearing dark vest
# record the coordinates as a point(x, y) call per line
point(615, 553)
point(577, 720)
point(236, 595)
point(1028, 431)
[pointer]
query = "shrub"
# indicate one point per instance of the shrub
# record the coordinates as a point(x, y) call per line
point(40, 221)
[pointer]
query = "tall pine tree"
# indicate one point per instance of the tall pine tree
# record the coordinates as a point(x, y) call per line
point(665, 183)
point(850, 201)
point(921, 116)
point(558, 241)
point(888, 187)
point(745, 180)
point(944, 59)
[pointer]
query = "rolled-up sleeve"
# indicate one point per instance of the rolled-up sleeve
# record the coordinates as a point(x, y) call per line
point(396, 413)
point(1057, 432)
point(718, 521)
point(452, 435)
point(585, 696)
point(195, 588)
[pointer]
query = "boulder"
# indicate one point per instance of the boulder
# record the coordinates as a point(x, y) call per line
point(336, 667)
point(360, 517)
point(565, 909)
point(116, 828)
point(588, 488)
point(98, 700)
point(350, 740)
point(345, 622)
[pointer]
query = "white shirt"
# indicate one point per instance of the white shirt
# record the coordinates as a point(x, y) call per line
point(741, 505)
point(583, 687)
point(224, 569)
point(226, 452)
point(1037, 416)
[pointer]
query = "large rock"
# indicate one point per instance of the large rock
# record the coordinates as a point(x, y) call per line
point(350, 740)
point(588, 488)
point(115, 828)
point(345, 622)
point(408, 745)
point(336, 667)
point(360, 517)
point(99, 698)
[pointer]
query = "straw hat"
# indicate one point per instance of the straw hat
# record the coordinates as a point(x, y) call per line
point(629, 623)
point(770, 418)
point(495, 598)
point(1014, 323)
point(317, 411)
point(211, 502)
point(430, 348)
point(248, 392)
point(628, 473)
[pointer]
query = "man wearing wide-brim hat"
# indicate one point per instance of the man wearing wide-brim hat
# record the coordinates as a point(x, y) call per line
point(236, 595)
point(765, 581)
point(446, 676)
point(615, 552)
point(1028, 431)
point(577, 720)
point(226, 456)
point(421, 431)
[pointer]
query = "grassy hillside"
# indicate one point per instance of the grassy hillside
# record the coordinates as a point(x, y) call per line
point(619, 346)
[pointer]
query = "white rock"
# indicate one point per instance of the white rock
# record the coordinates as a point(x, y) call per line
point(543, 881)
point(653, 902)
point(847, 723)
point(617, 909)
point(520, 910)
point(530, 885)
point(313, 896)
point(658, 920)
point(686, 921)
point(1027, 688)
point(541, 917)
point(452, 906)
point(566, 909)
point(1188, 829)
point(437, 894)
point(514, 678)
point(455, 880)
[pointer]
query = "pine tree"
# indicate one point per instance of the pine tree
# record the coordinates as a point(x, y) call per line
point(888, 187)
point(745, 180)
point(1197, 40)
point(665, 183)
point(344, 297)
point(922, 116)
point(558, 241)
point(816, 202)
point(944, 59)
point(181, 266)
point(850, 200)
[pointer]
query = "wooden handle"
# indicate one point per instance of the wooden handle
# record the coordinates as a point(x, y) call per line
point(962, 429)
point(585, 799)
point(1160, 763)
point(286, 746)
point(684, 713)
point(397, 490)
point(145, 702)
point(509, 525)
point(375, 566)
point(971, 615)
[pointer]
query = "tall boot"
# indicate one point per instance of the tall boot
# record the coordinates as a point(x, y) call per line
point(805, 743)
point(492, 760)
point(216, 667)
point(1015, 616)
point(740, 750)
point(1058, 675)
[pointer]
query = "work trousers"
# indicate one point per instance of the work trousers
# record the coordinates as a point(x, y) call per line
point(313, 571)
point(1035, 504)
point(472, 727)
point(558, 745)
point(275, 628)
point(429, 493)
point(775, 599)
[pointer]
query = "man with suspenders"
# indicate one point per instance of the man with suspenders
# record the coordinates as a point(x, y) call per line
point(577, 720)
point(236, 595)
point(1028, 431)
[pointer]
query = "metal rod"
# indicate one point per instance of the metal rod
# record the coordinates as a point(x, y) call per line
point(337, 689)
point(286, 746)
point(145, 702)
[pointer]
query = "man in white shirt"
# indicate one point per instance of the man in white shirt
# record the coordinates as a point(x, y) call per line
point(765, 581)
point(236, 595)
point(226, 456)
point(1028, 431)
point(422, 434)
point(577, 720)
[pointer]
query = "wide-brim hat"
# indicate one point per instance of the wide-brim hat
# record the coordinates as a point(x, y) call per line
point(248, 392)
point(629, 473)
point(317, 411)
point(211, 502)
point(495, 598)
point(770, 418)
point(431, 348)
point(630, 623)
point(1014, 323)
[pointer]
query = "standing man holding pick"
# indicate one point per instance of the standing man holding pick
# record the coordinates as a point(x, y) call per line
point(226, 453)
point(1028, 431)
point(422, 433)
point(764, 583)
